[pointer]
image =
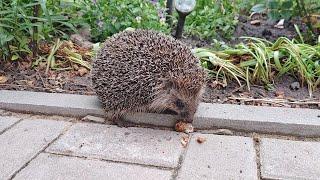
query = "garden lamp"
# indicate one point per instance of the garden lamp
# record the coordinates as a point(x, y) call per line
point(184, 8)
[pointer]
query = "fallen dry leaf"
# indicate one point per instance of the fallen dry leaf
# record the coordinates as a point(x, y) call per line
point(3, 79)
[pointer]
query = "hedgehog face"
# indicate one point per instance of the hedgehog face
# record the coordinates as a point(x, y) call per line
point(181, 104)
point(179, 99)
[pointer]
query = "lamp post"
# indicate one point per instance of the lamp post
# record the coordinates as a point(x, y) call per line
point(184, 8)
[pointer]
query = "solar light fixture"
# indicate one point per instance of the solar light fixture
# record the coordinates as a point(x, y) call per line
point(184, 8)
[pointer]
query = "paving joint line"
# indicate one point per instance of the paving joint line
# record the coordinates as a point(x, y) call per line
point(256, 142)
point(267, 135)
point(10, 127)
point(181, 159)
point(107, 160)
point(41, 150)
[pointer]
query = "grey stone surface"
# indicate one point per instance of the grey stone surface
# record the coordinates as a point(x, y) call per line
point(50, 103)
point(48, 166)
point(22, 142)
point(304, 122)
point(219, 157)
point(135, 145)
point(164, 120)
point(6, 122)
point(284, 159)
point(71, 105)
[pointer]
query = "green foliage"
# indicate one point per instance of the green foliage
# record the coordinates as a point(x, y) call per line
point(286, 9)
point(25, 22)
point(260, 61)
point(212, 18)
point(107, 17)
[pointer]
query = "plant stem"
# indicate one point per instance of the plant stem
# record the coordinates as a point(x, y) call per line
point(9, 51)
point(35, 31)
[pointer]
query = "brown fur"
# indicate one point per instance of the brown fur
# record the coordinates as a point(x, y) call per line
point(146, 71)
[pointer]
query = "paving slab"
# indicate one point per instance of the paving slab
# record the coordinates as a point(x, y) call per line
point(285, 159)
point(293, 121)
point(22, 142)
point(219, 157)
point(48, 166)
point(135, 145)
point(6, 122)
point(50, 103)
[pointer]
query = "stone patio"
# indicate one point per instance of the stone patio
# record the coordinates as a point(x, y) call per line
point(48, 147)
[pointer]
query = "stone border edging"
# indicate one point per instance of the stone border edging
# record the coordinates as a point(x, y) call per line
point(301, 122)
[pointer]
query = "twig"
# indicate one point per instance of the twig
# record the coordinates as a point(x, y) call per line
point(277, 101)
point(43, 83)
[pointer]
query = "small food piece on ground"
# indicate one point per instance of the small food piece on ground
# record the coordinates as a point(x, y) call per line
point(201, 140)
point(184, 127)
point(184, 141)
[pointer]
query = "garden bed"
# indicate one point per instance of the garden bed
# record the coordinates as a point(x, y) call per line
point(23, 74)
point(21, 77)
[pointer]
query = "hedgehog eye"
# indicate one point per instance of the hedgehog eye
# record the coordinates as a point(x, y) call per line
point(180, 104)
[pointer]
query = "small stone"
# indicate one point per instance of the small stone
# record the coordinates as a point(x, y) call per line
point(93, 119)
point(255, 22)
point(295, 86)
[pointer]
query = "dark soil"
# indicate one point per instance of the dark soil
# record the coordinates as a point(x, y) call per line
point(266, 29)
point(20, 76)
point(280, 95)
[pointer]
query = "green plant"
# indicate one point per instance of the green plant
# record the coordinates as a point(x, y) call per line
point(212, 19)
point(261, 61)
point(276, 9)
point(23, 23)
point(218, 67)
point(107, 17)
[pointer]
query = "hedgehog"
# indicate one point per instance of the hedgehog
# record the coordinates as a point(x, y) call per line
point(147, 71)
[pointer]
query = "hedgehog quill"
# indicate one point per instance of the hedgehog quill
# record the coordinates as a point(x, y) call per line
point(146, 71)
